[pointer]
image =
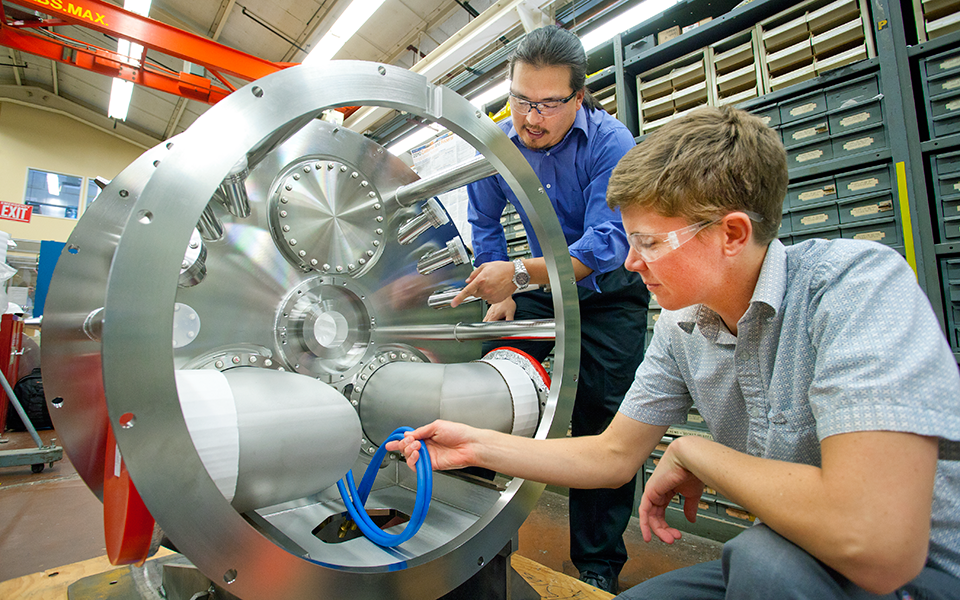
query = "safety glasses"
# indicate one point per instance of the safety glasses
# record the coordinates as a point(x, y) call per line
point(653, 246)
point(547, 108)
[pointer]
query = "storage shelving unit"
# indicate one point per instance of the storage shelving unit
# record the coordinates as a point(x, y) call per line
point(865, 95)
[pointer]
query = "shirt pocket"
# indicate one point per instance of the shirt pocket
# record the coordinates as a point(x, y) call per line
point(793, 436)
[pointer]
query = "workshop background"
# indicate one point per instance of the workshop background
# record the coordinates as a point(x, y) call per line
point(864, 93)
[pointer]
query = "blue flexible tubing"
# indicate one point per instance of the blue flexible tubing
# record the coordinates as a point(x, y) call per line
point(355, 498)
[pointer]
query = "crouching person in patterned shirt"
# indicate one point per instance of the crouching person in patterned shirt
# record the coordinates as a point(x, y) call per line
point(820, 369)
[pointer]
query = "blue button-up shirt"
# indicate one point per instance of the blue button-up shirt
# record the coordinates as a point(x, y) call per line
point(574, 174)
point(838, 338)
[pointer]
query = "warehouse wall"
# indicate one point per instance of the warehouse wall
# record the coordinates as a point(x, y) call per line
point(41, 139)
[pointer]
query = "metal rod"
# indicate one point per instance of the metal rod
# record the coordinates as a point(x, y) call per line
point(474, 169)
point(534, 329)
point(23, 415)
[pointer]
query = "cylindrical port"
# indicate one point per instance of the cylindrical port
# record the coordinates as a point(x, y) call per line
point(194, 266)
point(210, 226)
point(431, 215)
point(266, 437)
point(444, 298)
point(454, 254)
point(495, 395)
point(233, 190)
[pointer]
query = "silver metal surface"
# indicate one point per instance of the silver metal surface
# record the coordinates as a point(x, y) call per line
point(473, 170)
point(453, 254)
point(133, 249)
point(533, 329)
point(431, 215)
point(443, 298)
point(417, 394)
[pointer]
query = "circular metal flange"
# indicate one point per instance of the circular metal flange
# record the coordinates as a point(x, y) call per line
point(386, 354)
point(323, 329)
point(535, 374)
point(237, 356)
point(218, 540)
point(325, 215)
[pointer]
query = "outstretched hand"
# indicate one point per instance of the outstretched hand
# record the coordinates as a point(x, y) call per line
point(669, 479)
point(451, 445)
point(492, 281)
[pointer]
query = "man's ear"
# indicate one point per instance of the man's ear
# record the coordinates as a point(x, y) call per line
point(737, 230)
point(580, 96)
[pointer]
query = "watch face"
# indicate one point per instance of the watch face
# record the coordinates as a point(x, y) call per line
point(522, 279)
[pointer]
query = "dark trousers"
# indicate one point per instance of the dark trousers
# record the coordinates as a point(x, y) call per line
point(613, 325)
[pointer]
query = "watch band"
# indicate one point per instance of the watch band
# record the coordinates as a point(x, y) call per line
point(521, 278)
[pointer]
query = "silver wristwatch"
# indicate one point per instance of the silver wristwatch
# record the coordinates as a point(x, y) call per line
point(521, 278)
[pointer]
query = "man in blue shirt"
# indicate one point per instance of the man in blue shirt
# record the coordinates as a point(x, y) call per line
point(831, 394)
point(573, 146)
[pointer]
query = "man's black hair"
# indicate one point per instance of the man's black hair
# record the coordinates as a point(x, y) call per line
point(554, 46)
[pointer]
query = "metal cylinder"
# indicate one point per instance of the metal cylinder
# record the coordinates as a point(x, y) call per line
point(533, 329)
point(431, 215)
point(492, 395)
point(210, 226)
point(454, 254)
point(451, 179)
point(444, 298)
point(233, 191)
point(266, 437)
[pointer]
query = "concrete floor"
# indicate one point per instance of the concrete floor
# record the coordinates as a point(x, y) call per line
point(51, 519)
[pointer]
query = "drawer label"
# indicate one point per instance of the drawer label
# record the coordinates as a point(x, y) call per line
point(952, 105)
point(858, 144)
point(814, 219)
point(951, 84)
point(872, 209)
point(950, 63)
point(812, 195)
point(873, 236)
point(810, 131)
point(803, 109)
point(854, 119)
point(863, 184)
point(956, 186)
point(811, 155)
point(766, 119)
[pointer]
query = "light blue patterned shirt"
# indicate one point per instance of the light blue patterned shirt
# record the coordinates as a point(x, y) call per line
point(838, 338)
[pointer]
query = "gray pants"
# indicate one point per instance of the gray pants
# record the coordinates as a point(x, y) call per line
point(761, 564)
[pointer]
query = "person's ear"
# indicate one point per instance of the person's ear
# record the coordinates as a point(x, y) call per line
point(737, 232)
point(579, 98)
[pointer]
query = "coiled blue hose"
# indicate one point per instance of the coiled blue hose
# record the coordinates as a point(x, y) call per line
point(355, 498)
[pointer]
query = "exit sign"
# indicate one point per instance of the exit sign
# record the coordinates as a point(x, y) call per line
point(15, 212)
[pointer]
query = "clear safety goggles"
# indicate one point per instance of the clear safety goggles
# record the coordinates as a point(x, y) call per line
point(654, 246)
point(547, 108)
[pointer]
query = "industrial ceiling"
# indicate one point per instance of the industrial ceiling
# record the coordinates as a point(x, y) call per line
point(402, 32)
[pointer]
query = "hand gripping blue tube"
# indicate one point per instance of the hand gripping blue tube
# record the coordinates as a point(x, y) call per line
point(355, 498)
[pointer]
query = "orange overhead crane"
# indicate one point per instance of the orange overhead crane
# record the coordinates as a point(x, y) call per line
point(38, 36)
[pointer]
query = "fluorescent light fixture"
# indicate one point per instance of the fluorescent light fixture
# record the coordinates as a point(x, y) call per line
point(414, 139)
point(122, 90)
point(490, 94)
point(120, 95)
point(636, 15)
point(53, 184)
point(343, 29)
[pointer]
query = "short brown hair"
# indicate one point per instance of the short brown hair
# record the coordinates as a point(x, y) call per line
point(702, 166)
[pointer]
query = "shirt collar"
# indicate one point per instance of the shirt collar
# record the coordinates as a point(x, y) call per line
point(770, 290)
point(579, 122)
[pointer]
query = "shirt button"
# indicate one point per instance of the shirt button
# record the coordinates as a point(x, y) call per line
point(548, 186)
point(745, 356)
point(548, 153)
